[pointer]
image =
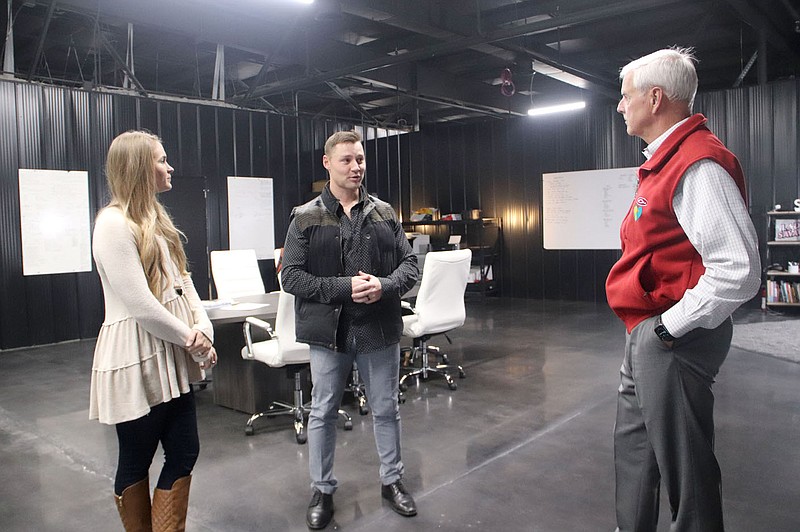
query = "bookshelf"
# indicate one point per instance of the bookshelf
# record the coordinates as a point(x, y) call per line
point(783, 245)
point(483, 236)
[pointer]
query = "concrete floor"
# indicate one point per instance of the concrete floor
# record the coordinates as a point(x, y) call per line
point(524, 444)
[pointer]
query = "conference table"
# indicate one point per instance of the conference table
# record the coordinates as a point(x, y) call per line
point(245, 385)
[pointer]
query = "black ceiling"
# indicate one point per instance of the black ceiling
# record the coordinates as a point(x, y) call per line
point(397, 62)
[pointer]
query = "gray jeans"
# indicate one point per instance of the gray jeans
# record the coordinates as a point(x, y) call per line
point(329, 371)
point(665, 429)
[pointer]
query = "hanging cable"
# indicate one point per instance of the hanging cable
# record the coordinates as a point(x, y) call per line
point(533, 73)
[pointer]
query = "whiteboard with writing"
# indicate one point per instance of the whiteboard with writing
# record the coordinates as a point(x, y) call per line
point(54, 221)
point(583, 210)
point(251, 222)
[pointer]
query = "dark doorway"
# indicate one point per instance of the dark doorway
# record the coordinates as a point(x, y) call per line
point(186, 203)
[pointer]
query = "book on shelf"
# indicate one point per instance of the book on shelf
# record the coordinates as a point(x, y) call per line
point(783, 291)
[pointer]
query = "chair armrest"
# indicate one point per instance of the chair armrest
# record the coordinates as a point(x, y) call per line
point(248, 336)
point(261, 324)
point(407, 306)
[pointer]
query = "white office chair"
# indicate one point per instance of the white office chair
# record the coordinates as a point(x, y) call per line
point(236, 273)
point(283, 349)
point(439, 308)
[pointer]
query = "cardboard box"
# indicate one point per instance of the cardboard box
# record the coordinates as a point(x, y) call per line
point(425, 214)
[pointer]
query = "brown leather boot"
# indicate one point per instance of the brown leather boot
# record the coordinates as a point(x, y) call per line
point(169, 506)
point(134, 507)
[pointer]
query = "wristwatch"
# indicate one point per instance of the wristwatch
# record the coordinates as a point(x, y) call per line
point(662, 332)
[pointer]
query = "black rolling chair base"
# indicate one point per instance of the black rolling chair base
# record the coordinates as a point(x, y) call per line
point(425, 369)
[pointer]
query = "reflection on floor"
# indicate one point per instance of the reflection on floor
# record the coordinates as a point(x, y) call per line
point(524, 444)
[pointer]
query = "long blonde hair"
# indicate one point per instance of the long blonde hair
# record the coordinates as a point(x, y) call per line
point(131, 173)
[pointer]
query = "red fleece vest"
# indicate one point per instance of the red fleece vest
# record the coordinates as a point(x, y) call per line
point(658, 262)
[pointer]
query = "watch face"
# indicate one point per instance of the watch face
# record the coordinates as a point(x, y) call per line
point(662, 333)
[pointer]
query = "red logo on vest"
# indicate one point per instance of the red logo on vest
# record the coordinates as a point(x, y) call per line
point(638, 208)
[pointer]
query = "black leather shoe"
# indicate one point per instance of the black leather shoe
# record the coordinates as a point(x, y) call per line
point(320, 510)
point(399, 498)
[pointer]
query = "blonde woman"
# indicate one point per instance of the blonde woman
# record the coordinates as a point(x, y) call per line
point(155, 341)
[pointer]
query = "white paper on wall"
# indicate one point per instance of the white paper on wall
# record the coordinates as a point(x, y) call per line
point(251, 217)
point(584, 210)
point(55, 221)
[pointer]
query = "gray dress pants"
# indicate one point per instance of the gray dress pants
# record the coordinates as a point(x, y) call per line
point(665, 429)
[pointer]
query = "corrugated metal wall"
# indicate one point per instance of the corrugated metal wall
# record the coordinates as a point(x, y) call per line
point(65, 129)
point(494, 166)
point(497, 167)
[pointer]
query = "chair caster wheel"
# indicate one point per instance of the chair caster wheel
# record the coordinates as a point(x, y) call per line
point(249, 430)
point(461, 374)
point(301, 437)
point(401, 399)
point(348, 425)
point(363, 410)
point(452, 385)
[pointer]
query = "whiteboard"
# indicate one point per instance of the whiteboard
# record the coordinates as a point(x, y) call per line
point(583, 210)
point(251, 222)
point(54, 221)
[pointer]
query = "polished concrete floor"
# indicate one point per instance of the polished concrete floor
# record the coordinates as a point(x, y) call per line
point(524, 444)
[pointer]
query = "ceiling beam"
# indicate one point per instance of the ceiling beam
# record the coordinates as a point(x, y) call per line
point(617, 9)
point(504, 51)
point(756, 19)
point(40, 45)
point(354, 104)
point(414, 78)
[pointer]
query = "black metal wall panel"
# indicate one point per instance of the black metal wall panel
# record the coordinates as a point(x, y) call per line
point(276, 168)
point(493, 166)
point(125, 114)
point(260, 153)
point(226, 166)
point(188, 155)
point(147, 115)
point(379, 182)
point(37, 304)
point(759, 125)
point(63, 287)
point(59, 128)
point(241, 145)
point(168, 129)
point(784, 151)
point(85, 155)
point(12, 321)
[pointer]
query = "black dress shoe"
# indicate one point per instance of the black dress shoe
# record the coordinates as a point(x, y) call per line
point(320, 510)
point(399, 498)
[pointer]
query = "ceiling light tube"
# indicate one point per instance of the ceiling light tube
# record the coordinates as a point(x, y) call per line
point(538, 111)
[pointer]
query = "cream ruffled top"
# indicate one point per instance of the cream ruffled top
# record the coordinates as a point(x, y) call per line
point(139, 359)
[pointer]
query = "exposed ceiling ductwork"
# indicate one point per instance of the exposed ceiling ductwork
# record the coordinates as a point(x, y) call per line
point(390, 63)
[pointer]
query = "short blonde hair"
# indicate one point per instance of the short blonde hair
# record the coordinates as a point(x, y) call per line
point(341, 137)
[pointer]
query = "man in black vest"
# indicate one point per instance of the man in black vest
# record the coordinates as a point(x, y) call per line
point(348, 262)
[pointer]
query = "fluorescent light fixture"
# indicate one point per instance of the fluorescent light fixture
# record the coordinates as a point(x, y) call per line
point(538, 111)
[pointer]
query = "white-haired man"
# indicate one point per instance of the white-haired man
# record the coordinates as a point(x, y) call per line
point(689, 259)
